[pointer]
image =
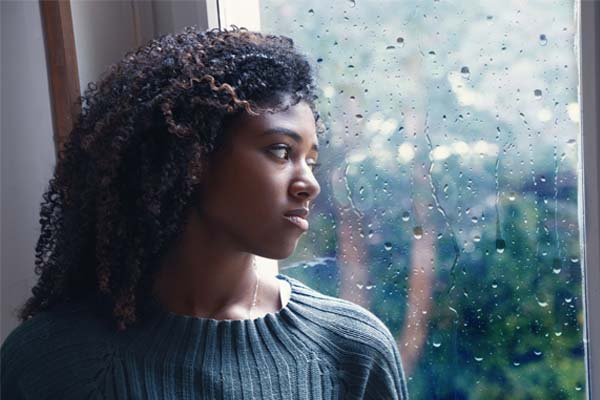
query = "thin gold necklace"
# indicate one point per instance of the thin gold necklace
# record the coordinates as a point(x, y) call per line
point(254, 297)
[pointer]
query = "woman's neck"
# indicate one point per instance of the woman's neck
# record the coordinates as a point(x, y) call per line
point(204, 277)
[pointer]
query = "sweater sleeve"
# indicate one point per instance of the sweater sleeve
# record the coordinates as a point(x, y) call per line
point(386, 377)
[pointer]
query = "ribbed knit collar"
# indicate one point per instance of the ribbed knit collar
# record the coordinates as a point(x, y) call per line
point(167, 317)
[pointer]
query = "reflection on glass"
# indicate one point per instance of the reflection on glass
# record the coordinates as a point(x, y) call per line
point(449, 186)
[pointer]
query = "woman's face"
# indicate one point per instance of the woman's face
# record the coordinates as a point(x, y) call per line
point(262, 174)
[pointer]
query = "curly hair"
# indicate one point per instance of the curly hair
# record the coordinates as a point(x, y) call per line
point(128, 174)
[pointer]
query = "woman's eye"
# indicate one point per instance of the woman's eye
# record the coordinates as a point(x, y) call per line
point(282, 152)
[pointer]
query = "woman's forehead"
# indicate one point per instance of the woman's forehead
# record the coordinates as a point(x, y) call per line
point(295, 120)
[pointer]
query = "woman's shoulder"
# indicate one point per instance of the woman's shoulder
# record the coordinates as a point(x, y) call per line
point(63, 346)
point(51, 331)
point(339, 316)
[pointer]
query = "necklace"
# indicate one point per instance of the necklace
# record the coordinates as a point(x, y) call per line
point(255, 288)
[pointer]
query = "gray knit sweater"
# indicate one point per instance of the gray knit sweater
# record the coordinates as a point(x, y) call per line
point(316, 347)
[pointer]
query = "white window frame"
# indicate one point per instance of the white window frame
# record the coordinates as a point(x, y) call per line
point(224, 13)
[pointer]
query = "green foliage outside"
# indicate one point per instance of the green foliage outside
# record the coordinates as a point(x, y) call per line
point(453, 124)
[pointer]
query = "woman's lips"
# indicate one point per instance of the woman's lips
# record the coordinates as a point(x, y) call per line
point(298, 221)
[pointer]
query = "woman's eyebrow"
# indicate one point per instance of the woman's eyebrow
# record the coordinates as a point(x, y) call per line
point(288, 132)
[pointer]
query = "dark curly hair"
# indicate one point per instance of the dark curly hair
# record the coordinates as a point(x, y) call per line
point(128, 174)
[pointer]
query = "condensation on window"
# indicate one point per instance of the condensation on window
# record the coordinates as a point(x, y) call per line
point(449, 202)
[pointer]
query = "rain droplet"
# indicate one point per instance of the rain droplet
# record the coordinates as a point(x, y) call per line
point(390, 47)
point(537, 93)
point(311, 11)
point(359, 116)
point(387, 246)
point(400, 41)
point(571, 142)
point(542, 304)
point(478, 359)
point(556, 266)
point(500, 245)
point(494, 285)
point(537, 353)
point(418, 232)
point(360, 285)
point(465, 72)
point(574, 260)
point(568, 299)
point(579, 388)
point(516, 363)
point(370, 287)
point(512, 196)
point(319, 60)
point(543, 40)
point(557, 334)
point(477, 238)
point(405, 216)
point(474, 219)
point(436, 344)
point(445, 188)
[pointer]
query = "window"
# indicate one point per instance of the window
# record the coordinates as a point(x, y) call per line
point(451, 201)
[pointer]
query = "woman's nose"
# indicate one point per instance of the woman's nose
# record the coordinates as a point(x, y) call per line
point(305, 187)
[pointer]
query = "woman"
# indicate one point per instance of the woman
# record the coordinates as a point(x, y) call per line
point(191, 156)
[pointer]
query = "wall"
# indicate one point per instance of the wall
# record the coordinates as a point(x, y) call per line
point(27, 150)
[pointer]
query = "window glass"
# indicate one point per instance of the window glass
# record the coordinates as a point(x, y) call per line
point(449, 203)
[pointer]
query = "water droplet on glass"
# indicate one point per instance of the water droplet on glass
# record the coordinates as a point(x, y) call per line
point(571, 142)
point(478, 359)
point(574, 260)
point(445, 188)
point(370, 287)
point(418, 232)
point(516, 363)
point(542, 304)
point(387, 246)
point(465, 72)
point(405, 216)
point(474, 220)
point(537, 353)
point(568, 299)
point(359, 116)
point(494, 285)
point(477, 238)
point(512, 196)
point(556, 266)
point(500, 245)
point(543, 40)
point(557, 334)
point(542, 178)
point(319, 60)
point(311, 11)
point(400, 41)
point(436, 344)
point(579, 388)
point(390, 47)
point(537, 93)
point(360, 285)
